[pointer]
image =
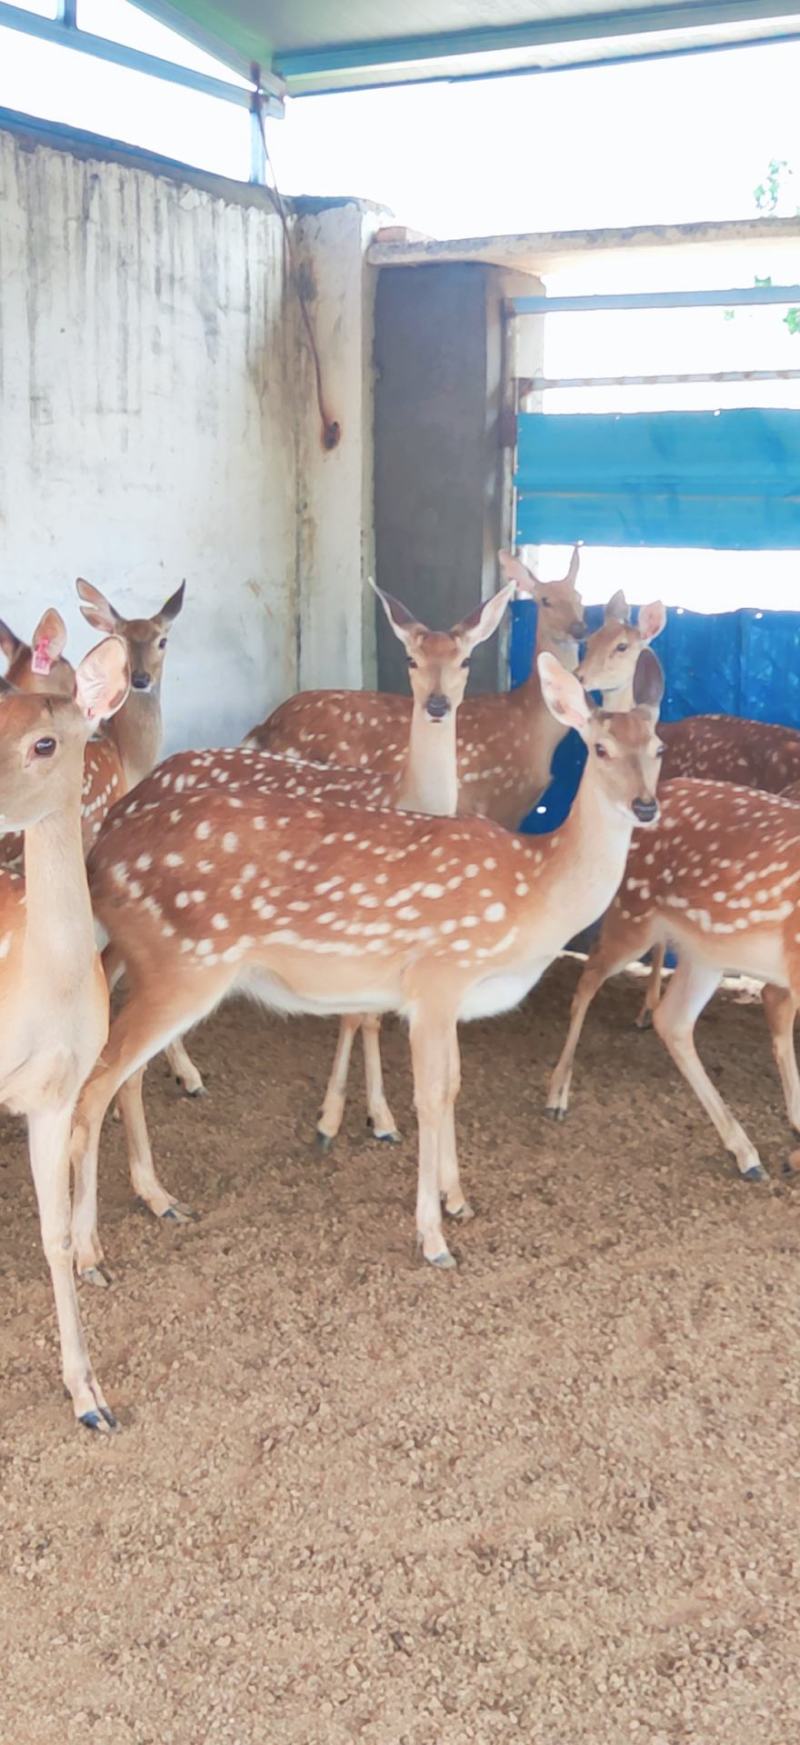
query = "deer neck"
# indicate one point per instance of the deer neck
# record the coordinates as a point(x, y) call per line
point(620, 700)
point(589, 851)
point(430, 779)
point(59, 929)
point(136, 731)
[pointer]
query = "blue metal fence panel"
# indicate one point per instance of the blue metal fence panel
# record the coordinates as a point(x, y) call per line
point(735, 663)
point(721, 480)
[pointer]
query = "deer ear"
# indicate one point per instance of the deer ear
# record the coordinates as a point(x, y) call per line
point(517, 572)
point(648, 683)
point(401, 620)
point(563, 694)
point(48, 642)
point(617, 608)
point(652, 619)
point(9, 643)
point(172, 606)
point(102, 680)
point(486, 619)
point(96, 609)
point(574, 565)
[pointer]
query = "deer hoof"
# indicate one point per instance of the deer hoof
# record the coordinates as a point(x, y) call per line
point(463, 1213)
point(556, 1114)
point(323, 1141)
point(96, 1275)
point(444, 1261)
point(644, 1020)
point(756, 1173)
point(102, 1421)
point(177, 1214)
point(391, 1137)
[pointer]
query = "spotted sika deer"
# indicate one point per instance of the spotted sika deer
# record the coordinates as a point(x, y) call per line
point(137, 731)
point(313, 907)
point(424, 782)
point(50, 973)
point(720, 880)
point(505, 742)
point(612, 652)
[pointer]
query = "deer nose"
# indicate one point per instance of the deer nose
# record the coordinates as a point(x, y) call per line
point(438, 706)
point(579, 629)
point(141, 681)
point(645, 810)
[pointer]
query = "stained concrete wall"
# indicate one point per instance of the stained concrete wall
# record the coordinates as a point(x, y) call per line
point(158, 421)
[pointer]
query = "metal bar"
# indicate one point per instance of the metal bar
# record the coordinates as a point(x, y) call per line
point(63, 33)
point(540, 384)
point(258, 154)
point(297, 63)
point(743, 296)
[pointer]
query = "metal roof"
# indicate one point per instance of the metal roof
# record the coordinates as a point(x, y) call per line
point(333, 45)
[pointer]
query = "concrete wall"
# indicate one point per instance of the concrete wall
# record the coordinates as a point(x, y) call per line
point(442, 460)
point(158, 421)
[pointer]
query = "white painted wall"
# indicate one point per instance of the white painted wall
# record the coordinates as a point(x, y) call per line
point(157, 421)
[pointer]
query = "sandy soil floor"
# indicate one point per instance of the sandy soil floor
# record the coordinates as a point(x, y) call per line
point(550, 1498)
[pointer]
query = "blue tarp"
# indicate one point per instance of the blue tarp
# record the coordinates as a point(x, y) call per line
point(736, 663)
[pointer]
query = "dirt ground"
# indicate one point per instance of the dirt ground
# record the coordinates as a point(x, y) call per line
point(552, 1497)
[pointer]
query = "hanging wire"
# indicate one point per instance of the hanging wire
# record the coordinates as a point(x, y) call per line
point(331, 428)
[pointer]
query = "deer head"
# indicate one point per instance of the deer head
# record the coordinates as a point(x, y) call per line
point(559, 603)
point(39, 666)
point(42, 737)
point(439, 660)
point(623, 749)
point(612, 652)
point(146, 638)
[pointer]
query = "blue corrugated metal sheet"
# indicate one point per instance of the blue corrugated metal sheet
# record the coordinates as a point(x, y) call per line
point(721, 480)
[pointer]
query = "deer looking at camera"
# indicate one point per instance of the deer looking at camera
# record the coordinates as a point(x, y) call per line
point(505, 741)
point(612, 652)
point(438, 663)
point(313, 907)
point(52, 984)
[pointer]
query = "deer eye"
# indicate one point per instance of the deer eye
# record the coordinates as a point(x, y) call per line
point(601, 751)
point(544, 601)
point(44, 747)
point(467, 662)
point(661, 750)
point(162, 642)
point(620, 648)
point(412, 663)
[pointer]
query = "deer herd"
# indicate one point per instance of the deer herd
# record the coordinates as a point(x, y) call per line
point(360, 854)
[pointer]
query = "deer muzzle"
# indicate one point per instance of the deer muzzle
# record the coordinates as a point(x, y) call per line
point(645, 810)
point(438, 706)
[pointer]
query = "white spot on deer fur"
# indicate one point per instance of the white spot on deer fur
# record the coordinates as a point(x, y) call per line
point(204, 947)
point(230, 842)
point(220, 922)
point(203, 830)
point(494, 912)
point(433, 891)
point(144, 862)
point(173, 859)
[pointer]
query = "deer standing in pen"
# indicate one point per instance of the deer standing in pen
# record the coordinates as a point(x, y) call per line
point(312, 907)
point(719, 879)
point(52, 985)
point(506, 741)
point(425, 781)
point(123, 746)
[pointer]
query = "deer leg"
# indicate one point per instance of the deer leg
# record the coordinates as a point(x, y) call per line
point(617, 945)
point(138, 1032)
point(48, 1140)
point(332, 1111)
point(431, 1056)
point(379, 1115)
point(184, 1070)
point(450, 1188)
point(674, 1019)
point(652, 993)
point(780, 1008)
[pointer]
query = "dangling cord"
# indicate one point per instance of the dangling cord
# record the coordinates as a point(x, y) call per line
point(331, 429)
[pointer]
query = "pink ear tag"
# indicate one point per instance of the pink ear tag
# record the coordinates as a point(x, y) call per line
point(42, 659)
